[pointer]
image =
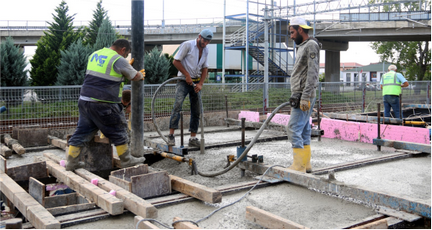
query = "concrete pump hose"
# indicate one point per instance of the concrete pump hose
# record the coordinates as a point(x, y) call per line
point(152, 105)
point(264, 125)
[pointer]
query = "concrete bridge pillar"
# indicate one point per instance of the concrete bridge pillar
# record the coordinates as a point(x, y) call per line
point(332, 69)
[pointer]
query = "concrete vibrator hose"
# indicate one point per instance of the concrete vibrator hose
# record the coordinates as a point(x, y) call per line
point(202, 132)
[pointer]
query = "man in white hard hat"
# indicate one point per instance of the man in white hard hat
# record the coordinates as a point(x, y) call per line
point(304, 80)
point(391, 85)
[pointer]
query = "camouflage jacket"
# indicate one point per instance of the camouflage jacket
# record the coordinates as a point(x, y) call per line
point(304, 77)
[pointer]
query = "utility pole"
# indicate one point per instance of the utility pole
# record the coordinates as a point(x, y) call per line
point(266, 61)
point(137, 123)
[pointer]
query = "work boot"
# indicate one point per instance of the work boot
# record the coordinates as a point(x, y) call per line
point(171, 140)
point(72, 158)
point(194, 142)
point(299, 161)
point(126, 160)
point(307, 150)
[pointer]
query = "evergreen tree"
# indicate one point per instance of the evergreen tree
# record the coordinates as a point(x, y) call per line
point(12, 64)
point(106, 35)
point(59, 36)
point(73, 64)
point(172, 69)
point(156, 67)
point(91, 32)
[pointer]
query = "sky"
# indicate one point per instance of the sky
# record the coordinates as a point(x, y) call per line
point(38, 11)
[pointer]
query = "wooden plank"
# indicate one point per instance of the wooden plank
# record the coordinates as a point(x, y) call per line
point(61, 210)
point(13, 144)
point(102, 199)
point(379, 224)
point(57, 142)
point(143, 224)
point(60, 200)
point(127, 173)
point(32, 137)
point(269, 220)
point(184, 225)
point(37, 190)
point(37, 215)
point(151, 184)
point(15, 223)
point(406, 204)
point(5, 151)
point(398, 214)
point(122, 183)
point(23, 172)
point(198, 191)
point(3, 167)
point(131, 201)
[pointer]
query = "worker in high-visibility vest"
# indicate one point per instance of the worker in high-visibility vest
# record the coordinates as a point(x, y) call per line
point(391, 85)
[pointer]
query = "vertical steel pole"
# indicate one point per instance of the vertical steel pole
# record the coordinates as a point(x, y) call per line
point(266, 61)
point(137, 136)
point(379, 124)
point(181, 130)
point(226, 107)
point(319, 110)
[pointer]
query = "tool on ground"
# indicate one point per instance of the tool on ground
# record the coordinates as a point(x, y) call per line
point(178, 158)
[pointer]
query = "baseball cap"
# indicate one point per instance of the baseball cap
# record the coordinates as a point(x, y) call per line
point(207, 34)
point(298, 21)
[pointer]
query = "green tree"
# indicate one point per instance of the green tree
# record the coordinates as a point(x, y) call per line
point(106, 35)
point(172, 69)
point(412, 56)
point(12, 64)
point(59, 36)
point(73, 64)
point(91, 32)
point(156, 67)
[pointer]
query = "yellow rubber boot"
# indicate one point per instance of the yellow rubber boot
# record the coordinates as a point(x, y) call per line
point(72, 158)
point(307, 150)
point(126, 160)
point(299, 161)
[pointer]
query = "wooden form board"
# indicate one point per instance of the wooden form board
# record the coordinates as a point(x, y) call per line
point(198, 191)
point(5, 151)
point(3, 167)
point(269, 220)
point(103, 199)
point(37, 190)
point(184, 225)
point(379, 224)
point(31, 137)
point(131, 201)
point(23, 172)
point(35, 213)
point(57, 142)
point(141, 182)
point(144, 224)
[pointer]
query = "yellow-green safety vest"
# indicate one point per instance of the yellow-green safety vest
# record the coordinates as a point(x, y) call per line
point(102, 82)
point(391, 85)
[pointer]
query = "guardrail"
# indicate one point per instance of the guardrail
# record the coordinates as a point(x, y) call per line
point(58, 105)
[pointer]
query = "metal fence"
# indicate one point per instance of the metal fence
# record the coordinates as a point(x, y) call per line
point(57, 106)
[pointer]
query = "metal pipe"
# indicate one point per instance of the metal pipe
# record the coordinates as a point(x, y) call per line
point(202, 144)
point(400, 107)
point(226, 107)
point(181, 130)
point(243, 120)
point(137, 119)
point(379, 124)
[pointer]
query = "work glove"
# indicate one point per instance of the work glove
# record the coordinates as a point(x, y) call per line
point(304, 105)
point(143, 73)
point(131, 61)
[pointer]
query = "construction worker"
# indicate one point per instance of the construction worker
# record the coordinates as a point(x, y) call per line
point(99, 103)
point(191, 61)
point(304, 80)
point(126, 103)
point(391, 85)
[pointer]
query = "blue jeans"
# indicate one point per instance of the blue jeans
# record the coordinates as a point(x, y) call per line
point(299, 129)
point(183, 89)
point(391, 101)
point(107, 117)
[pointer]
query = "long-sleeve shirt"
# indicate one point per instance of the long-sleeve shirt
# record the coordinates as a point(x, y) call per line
point(304, 78)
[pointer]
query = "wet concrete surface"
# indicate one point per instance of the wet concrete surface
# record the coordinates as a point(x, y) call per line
point(409, 177)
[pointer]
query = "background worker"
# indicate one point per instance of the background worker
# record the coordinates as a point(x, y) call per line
point(391, 85)
point(191, 61)
point(99, 103)
point(304, 80)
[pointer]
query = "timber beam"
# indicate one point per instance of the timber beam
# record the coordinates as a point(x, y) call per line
point(424, 148)
point(132, 202)
point(415, 206)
